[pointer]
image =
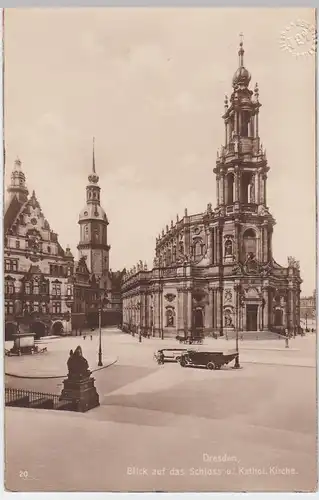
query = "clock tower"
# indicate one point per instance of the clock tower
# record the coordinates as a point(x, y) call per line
point(93, 231)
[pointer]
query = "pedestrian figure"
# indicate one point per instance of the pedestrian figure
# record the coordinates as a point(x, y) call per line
point(91, 337)
point(84, 337)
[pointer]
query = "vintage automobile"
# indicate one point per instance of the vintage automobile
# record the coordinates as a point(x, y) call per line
point(209, 360)
point(193, 339)
point(168, 355)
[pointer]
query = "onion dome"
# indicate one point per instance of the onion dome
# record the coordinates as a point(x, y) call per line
point(242, 75)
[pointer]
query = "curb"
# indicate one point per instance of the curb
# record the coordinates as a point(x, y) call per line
point(276, 364)
point(56, 376)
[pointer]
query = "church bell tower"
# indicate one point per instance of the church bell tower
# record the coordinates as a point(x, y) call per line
point(93, 231)
point(241, 176)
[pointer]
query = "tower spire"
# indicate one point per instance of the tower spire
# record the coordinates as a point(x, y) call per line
point(241, 50)
point(93, 177)
point(93, 164)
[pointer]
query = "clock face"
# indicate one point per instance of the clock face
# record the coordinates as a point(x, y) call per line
point(33, 221)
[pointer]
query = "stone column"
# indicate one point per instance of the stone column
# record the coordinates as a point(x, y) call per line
point(266, 256)
point(185, 311)
point(265, 188)
point(218, 189)
point(212, 242)
point(236, 181)
point(221, 318)
point(265, 309)
point(159, 322)
point(210, 322)
point(189, 310)
point(259, 317)
point(290, 309)
point(237, 241)
point(179, 310)
point(222, 190)
point(261, 189)
point(244, 318)
point(256, 180)
point(235, 123)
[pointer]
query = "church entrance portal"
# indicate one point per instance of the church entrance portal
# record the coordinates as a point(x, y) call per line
point(251, 317)
point(198, 318)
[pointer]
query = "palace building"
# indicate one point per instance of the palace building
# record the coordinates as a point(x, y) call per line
point(45, 290)
point(215, 271)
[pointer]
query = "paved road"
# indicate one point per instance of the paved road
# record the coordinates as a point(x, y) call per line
point(171, 428)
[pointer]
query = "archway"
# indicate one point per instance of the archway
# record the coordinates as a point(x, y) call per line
point(39, 329)
point(198, 318)
point(10, 330)
point(57, 328)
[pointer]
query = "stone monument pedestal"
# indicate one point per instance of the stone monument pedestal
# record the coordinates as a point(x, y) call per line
point(81, 392)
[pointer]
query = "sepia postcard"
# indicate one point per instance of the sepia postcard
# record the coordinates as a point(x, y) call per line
point(160, 250)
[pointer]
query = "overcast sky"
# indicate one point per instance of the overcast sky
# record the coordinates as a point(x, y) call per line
point(149, 84)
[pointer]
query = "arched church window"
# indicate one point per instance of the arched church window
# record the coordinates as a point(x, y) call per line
point(181, 247)
point(228, 247)
point(250, 243)
point(198, 248)
point(245, 118)
point(230, 189)
point(86, 232)
point(27, 288)
point(246, 180)
point(96, 234)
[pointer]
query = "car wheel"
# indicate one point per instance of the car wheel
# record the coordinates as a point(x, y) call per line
point(210, 366)
point(178, 358)
point(182, 363)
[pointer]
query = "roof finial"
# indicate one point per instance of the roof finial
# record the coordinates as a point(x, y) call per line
point(241, 50)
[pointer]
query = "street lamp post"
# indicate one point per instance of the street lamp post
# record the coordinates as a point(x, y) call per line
point(100, 334)
point(101, 303)
point(306, 315)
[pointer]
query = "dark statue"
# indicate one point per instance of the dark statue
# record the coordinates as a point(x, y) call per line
point(228, 248)
point(79, 391)
point(78, 366)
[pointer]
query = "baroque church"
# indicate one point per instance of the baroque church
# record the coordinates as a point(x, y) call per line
point(45, 290)
point(215, 272)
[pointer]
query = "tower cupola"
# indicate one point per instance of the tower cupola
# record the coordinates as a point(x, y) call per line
point(18, 187)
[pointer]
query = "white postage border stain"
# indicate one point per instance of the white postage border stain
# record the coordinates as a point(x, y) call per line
point(299, 38)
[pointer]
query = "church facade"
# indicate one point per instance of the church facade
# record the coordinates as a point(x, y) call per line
point(45, 290)
point(215, 271)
